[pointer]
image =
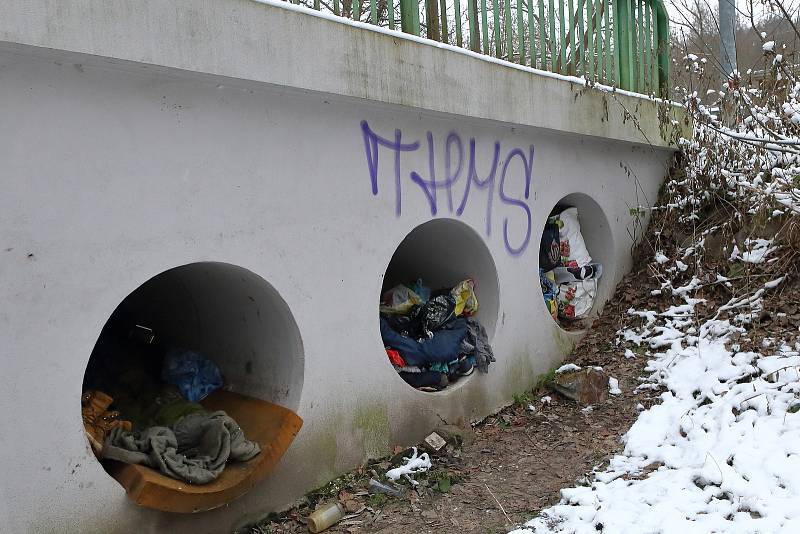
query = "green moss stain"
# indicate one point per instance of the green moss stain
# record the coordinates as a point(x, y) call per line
point(325, 449)
point(475, 401)
point(373, 422)
point(521, 375)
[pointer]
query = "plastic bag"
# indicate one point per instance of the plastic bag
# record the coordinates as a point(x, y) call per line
point(195, 375)
point(436, 312)
point(399, 300)
point(549, 249)
point(423, 292)
point(575, 299)
point(549, 291)
point(573, 248)
point(466, 301)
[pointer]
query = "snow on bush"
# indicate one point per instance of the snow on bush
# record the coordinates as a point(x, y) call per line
point(720, 450)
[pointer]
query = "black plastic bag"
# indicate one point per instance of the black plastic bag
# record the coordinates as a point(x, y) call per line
point(436, 312)
point(550, 247)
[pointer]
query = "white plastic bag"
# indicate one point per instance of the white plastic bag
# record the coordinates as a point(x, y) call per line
point(575, 299)
point(573, 248)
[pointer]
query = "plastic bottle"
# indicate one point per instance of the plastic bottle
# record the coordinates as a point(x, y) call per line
point(325, 517)
point(379, 487)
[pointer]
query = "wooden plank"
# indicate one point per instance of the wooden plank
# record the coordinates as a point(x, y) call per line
point(272, 426)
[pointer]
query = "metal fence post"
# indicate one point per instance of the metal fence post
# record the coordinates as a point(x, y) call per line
point(409, 16)
point(662, 40)
point(622, 40)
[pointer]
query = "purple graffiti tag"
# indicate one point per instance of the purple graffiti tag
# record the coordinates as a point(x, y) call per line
point(371, 143)
point(428, 186)
point(450, 177)
point(454, 153)
point(488, 182)
point(527, 166)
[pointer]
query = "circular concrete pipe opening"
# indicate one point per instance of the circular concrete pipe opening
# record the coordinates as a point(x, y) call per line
point(442, 253)
point(228, 314)
point(579, 265)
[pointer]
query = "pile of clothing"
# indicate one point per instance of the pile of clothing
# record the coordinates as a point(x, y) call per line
point(431, 337)
point(133, 415)
point(566, 272)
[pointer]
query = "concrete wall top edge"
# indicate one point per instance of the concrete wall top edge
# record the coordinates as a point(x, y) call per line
point(262, 42)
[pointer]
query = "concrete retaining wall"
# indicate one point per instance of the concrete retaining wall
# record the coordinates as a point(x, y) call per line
point(141, 137)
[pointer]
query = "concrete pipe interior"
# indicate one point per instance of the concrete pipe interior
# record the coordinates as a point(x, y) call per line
point(596, 233)
point(441, 253)
point(225, 312)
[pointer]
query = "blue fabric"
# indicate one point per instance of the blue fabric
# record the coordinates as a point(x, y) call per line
point(443, 347)
point(549, 289)
point(195, 375)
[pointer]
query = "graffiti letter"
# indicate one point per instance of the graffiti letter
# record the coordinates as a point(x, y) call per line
point(371, 143)
point(482, 184)
point(527, 166)
point(449, 177)
point(428, 187)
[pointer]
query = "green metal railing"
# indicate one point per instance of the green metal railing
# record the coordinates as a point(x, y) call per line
point(623, 43)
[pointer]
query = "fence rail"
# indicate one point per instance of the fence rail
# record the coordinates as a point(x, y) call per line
point(623, 43)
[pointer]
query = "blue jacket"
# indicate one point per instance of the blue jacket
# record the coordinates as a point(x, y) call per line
point(443, 347)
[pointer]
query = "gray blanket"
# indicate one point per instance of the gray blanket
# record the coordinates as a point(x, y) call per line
point(194, 449)
point(476, 336)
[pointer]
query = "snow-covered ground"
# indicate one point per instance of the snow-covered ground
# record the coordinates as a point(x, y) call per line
point(720, 453)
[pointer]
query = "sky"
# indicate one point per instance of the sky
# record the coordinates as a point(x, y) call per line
point(674, 6)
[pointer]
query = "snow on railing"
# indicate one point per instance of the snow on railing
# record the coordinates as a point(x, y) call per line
point(621, 43)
